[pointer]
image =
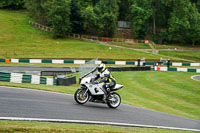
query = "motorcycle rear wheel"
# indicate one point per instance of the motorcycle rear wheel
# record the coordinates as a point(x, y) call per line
point(79, 96)
point(114, 100)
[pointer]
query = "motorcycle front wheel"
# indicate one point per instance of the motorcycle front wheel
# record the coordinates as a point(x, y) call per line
point(80, 97)
point(114, 100)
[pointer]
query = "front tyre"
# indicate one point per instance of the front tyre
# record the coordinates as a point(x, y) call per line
point(114, 100)
point(79, 96)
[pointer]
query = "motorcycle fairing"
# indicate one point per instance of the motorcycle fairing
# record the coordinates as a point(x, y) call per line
point(94, 89)
point(118, 86)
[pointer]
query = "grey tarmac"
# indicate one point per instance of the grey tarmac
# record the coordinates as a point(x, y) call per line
point(196, 77)
point(29, 103)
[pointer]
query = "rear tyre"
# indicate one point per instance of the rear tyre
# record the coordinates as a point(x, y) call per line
point(79, 96)
point(114, 100)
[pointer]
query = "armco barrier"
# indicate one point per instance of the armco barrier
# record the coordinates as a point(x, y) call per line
point(55, 61)
point(146, 68)
point(66, 81)
point(22, 78)
point(178, 69)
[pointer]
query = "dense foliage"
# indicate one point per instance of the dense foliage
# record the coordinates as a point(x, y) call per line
point(12, 4)
point(96, 17)
point(76, 18)
point(101, 19)
point(37, 10)
point(164, 21)
point(58, 17)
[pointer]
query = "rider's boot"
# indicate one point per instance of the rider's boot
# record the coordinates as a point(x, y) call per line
point(106, 95)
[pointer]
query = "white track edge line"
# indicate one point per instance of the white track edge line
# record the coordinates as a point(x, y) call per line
point(38, 90)
point(94, 122)
point(194, 76)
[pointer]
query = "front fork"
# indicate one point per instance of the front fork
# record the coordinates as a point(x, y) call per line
point(85, 92)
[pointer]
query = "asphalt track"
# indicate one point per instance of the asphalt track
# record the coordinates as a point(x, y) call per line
point(43, 105)
point(196, 77)
point(35, 68)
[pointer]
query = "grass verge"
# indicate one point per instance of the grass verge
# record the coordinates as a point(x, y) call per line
point(46, 127)
point(136, 45)
point(173, 46)
point(170, 92)
point(190, 55)
point(18, 39)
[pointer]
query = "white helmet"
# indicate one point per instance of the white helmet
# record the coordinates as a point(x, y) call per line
point(101, 67)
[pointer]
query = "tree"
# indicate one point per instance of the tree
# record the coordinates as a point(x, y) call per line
point(124, 10)
point(59, 17)
point(76, 18)
point(197, 3)
point(184, 22)
point(141, 12)
point(102, 18)
point(37, 9)
point(107, 14)
point(12, 4)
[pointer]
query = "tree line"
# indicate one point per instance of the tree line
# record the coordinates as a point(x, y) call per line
point(170, 21)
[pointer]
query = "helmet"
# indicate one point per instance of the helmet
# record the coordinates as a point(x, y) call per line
point(101, 67)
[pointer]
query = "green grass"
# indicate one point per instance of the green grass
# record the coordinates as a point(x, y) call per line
point(18, 39)
point(47, 127)
point(190, 55)
point(136, 45)
point(61, 89)
point(170, 92)
point(173, 46)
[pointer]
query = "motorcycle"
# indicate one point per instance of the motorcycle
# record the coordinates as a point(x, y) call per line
point(92, 92)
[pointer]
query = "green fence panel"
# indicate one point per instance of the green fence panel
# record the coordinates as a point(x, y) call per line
point(4, 76)
point(172, 69)
point(24, 61)
point(54, 81)
point(2, 60)
point(26, 79)
point(130, 63)
point(69, 61)
point(46, 61)
point(192, 70)
point(149, 63)
point(109, 62)
point(185, 64)
point(166, 64)
point(4, 73)
point(43, 80)
point(5, 79)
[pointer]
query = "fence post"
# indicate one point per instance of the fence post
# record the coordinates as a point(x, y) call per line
point(168, 63)
point(138, 62)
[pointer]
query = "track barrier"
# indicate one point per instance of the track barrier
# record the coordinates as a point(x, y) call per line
point(139, 62)
point(157, 68)
point(24, 78)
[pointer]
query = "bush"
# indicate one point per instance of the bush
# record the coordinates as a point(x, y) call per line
point(37, 10)
point(59, 17)
point(12, 4)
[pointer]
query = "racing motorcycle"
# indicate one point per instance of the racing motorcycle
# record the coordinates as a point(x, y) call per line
point(93, 92)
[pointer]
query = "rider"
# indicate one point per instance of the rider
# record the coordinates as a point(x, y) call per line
point(106, 77)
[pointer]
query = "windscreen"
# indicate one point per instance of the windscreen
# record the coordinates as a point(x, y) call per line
point(89, 68)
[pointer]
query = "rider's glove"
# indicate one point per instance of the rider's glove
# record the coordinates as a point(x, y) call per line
point(96, 82)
